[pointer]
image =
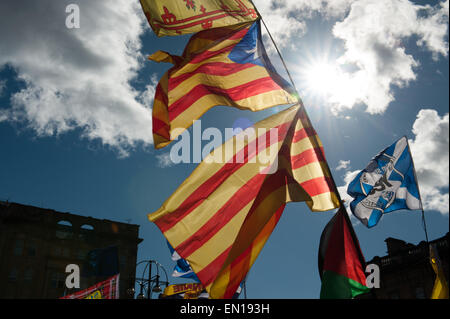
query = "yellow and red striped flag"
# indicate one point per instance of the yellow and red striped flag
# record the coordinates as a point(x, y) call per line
point(225, 66)
point(440, 288)
point(221, 216)
point(178, 17)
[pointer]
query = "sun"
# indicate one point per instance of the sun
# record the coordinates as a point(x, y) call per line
point(322, 77)
point(325, 80)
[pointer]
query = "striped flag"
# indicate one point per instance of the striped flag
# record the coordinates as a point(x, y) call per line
point(440, 288)
point(341, 262)
point(225, 66)
point(221, 216)
point(178, 17)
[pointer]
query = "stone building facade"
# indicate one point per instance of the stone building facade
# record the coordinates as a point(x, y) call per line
point(406, 272)
point(37, 244)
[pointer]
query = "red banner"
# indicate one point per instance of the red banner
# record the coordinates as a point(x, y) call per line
point(108, 289)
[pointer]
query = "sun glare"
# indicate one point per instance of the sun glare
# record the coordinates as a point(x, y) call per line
point(322, 78)
point(325, 79)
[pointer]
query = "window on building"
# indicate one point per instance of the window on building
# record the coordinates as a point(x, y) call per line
point(82, 254)
point(31, 248)
point(122, 262)
point(87, 232)
point(57, 251)
point(394, 295)
point(58, 280)
point(87, 227)
point(420, 293)
point(28, 275)
point(66, 252)
point(64, 229)
point(12, 277)
point(18, 246)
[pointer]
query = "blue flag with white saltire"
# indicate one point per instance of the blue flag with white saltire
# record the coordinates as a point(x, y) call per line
point(182, 268)
point(387, 184)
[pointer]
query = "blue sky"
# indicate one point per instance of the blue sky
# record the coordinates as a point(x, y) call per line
point(75, 116)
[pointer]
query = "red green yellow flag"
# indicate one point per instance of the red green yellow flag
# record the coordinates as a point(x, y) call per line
point(340, 260)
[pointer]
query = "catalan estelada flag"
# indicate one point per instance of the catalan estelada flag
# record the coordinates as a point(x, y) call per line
point(221, 216)
point(176, 17)
point(226, 66)
point(341, 261)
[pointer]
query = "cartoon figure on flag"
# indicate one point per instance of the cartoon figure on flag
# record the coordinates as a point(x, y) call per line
point(387, 184)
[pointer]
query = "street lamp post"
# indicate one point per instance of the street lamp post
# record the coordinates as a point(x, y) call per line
point(151, 282)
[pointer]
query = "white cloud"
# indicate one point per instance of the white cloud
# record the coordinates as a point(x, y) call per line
point(373, 33)
point(2, 86)
point(343, 165)
point(430, 149)
point(146, 97)
point(349, 176)
point(77, 78)
point(81, 78)
point(346, 198)
point(432, 32)
point(164, 160)
point(286, 19)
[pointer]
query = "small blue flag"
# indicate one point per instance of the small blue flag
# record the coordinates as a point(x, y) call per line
point(182, 268)
point(387, 184)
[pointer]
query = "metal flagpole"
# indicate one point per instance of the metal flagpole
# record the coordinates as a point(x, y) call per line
point(301, 103)
point(295, 88)
point(245, 288)
point(424, 224)
point(338, 195)
point(278, 51)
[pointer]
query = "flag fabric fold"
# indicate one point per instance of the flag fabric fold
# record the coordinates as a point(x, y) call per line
point(182, 269)
point(107, 289)
point(440, 288)
point(387, 184)
point(221, 216)
point(184, 291)
point(178, 17)
point(226, 66)
point(341, 261)
point(190, 291)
